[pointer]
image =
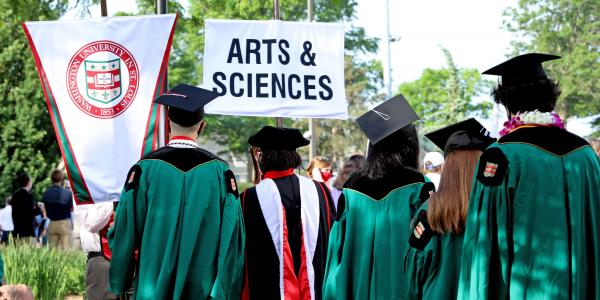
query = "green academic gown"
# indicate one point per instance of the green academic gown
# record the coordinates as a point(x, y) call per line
point(368, 242)
point(178, 229)
point(432, 262)
point(533, 224)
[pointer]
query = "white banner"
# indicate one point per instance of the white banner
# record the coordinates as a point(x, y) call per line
point(275, 68)
point(100, 78)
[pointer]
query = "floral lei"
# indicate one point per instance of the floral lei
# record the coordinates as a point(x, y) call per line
point(532, 118)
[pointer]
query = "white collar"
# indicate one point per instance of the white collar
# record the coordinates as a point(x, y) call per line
point(181, 143)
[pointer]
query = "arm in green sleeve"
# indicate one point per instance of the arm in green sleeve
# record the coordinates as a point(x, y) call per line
point(485, 252)
point(230, 265)
point(124, 237)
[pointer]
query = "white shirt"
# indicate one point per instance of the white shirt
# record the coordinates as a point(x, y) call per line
point(6, 221)
point(93, 217)
point(435, 178)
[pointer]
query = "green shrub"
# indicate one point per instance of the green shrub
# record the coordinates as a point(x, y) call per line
point(50, 273)
point(242, 186)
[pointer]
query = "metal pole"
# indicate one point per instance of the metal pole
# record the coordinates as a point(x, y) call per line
point(161, 8)
point(312, 123)
point(103, 9)
point(387, 71)
point(277, 16)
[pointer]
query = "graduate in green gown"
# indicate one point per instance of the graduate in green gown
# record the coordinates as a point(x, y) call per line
point(178, 230)
point(433, 260)
point(368, 241)
point(533, 224)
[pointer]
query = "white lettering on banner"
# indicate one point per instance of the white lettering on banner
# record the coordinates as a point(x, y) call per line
point(275, 68)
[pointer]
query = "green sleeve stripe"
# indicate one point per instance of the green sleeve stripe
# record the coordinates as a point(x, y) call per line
point(150, 142)
point(80, 191)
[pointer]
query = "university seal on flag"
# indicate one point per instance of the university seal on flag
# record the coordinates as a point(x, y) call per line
point(102, 79)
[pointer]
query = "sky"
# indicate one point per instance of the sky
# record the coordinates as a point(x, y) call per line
point(470, 29)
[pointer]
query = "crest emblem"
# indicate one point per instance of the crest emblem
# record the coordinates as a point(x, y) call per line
point(490, 169)
point(102, 79)
point(233, 185)
point(419, 229)
point(131, 178)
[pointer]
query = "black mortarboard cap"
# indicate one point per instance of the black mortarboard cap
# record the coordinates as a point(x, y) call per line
point(186, 103)
point(387, 118)
point(522, 68)
point(277, 138)
point(467, 134)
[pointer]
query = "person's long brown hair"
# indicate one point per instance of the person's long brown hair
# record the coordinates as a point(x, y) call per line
point(447, 210)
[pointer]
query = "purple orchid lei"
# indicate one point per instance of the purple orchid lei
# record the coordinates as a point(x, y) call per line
point(532, 118)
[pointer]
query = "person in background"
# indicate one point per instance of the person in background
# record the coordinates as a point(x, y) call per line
point(532, 229)
point(59, 204)
point(23, 207)
point(432, 164)
point(94, 221)
point(6, 221)
point(369, 239)
point(319, 169)
point(287, 219)
point(42, 223)
point(433, 260)
point(354, 163)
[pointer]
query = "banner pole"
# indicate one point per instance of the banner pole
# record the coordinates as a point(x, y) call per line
point(103, 9)
point(312, 124)
point(277, 16)
point(161, 8)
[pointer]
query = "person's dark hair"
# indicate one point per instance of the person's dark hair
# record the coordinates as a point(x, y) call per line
point(357, 161)
point(401, 148)
point(23, 179)
point(279, 160)
point(354, 162)
point(539, 94)
point(57, 176)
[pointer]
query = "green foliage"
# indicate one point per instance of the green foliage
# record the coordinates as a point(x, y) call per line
point(445, 96)
point(27, 139)
point(49, 272)
point(569, 29)
point(339, 139)
point(242, 186)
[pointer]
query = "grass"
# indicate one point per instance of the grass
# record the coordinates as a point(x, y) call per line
point(50, 273)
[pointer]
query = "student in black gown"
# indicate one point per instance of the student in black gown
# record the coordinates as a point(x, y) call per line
point(287, 220)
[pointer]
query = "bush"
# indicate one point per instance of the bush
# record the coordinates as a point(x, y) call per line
point(242, 186)
point(50, 273)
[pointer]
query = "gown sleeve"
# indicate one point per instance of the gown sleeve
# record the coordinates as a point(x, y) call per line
point(418, 265)
point(486, 248)
point(334, 254)
point(230, 265)
point(420, 259)
point(124, 235)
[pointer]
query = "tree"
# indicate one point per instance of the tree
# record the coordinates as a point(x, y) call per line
point(27, 140)
point(339, 139)
point(446, 96)
point(570, 29)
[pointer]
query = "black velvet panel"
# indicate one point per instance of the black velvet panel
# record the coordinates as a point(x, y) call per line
point(380, 187)
point(552, 139)
point(183, 159)
point(261, 258)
